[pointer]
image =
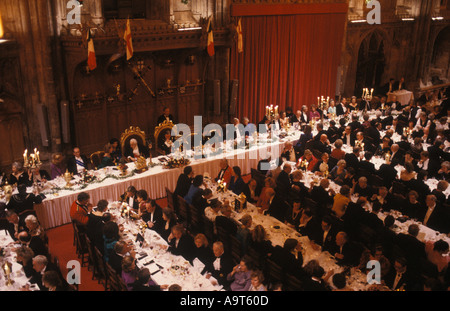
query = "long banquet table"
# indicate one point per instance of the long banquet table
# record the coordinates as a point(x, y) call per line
point(54, 210)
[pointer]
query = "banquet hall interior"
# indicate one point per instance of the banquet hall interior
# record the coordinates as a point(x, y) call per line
point(99, 190)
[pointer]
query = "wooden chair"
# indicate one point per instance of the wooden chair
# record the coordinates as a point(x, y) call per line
point(273, 272)
point(399, 188)
point(292, 283)
point(183, 210)
point(196, 219)
point(208, 228)
point(81, 246)
point(116, 284)
point(70, 287)
point(102, 275)
point(236, 249)
point(170, 199)
point(224, 237)
point(96, 158)
point(92, 258)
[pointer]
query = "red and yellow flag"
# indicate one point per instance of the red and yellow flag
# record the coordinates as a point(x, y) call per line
point(210, 45)
point(129, 42)
point(240, 43)
point(92, 61)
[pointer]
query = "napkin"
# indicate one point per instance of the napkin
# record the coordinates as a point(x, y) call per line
point(198, 265)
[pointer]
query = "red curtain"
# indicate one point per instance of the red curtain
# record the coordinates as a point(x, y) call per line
point(288, 60)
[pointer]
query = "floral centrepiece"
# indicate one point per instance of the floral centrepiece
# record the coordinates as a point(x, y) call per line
point(176, 162)
point(221, 186)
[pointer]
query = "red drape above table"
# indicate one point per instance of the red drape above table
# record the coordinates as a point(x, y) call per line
point(288, 60)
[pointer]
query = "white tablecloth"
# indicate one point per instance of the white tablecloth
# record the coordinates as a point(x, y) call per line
point(403, 96)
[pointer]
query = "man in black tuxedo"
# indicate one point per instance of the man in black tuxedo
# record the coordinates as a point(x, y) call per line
point(181, 243)
point(78, 162)
point(121, 249)
point(333, 131)
point(371, 218)
point(40, 266)
point(366, 165)
point(184, 181)
point(285, 257)
point(396, 155)
point(345, 251)
point(142, 282)
point(320, 131)
point(320, 195)
point(401, 278)
point(323, 144)
point(400, 85)
point(153, 215)
point(284, 181)
point(433, 216)
point(225, 221)
point(389, 87)
point(166, 116)
point(201, 199)
point(418, 184)
point(348, 137)
point(220, 266)
point(395, 104)
point(352, 159)
point(355, 124)
point(325, 235)
point(341, 108)
point(16, 224)
point(277, 205)
point(413, 249)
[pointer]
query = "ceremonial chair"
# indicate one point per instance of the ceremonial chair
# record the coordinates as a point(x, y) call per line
point(96, 158)
point(130, 133)
point(160, 129)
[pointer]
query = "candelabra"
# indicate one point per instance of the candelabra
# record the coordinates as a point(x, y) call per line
point(33, 160)
point(366, 95)
point(323, 103)
point(271, 111)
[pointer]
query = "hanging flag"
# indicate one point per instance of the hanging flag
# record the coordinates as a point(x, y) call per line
point(210, 45)
point(92, 61)
point(240, 39)
point(128, 41)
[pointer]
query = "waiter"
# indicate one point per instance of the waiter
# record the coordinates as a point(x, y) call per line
point(166, 116)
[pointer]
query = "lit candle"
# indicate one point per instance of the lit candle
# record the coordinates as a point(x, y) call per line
point(318, 100)
point(25, 156)
point(371, 92)
point(276, 109)
point(37, 155)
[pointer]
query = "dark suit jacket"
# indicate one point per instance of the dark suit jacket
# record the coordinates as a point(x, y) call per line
point(367, 166)
point(157, 218)
point(437, 220)
point(409, 280)
point(72, 165)
point(226, 223)
point(285, 259)
point(22, 202)
point(36, 277)
point(226, 266)
point(162, 118)
point(388, 173)
point(283, 184)
point(278, 208)
point(350, 252)
point(183, 185)
point(413, 249)
point(115, 261)
point(352, 161)
point(185, 247)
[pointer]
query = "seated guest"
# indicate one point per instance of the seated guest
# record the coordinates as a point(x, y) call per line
point(376, 254)
point(37, 175)
point(57, 165)
point(228, 224)
point(384, 198)
point(325, 235)
point(444, 171)
point(165, 144)
point(145, 283)
point(337, 152)
point(314, 114)
point(252, 191)
point(366, 165)
point(249, 128)
point(77, 163)
point(25, 258)
point(396, 156)
point(352, 159)
point(439, 192)
point(316, 279)
point(201, 199)
point(384, 147)
point(130, 198)
point(350, 177)
point(38, 238)
point(277, 205)
point(433, 215)
point(23, 201)
point(194, 189)
point(269, 182)
point(239, 277)
point(95, 217)
point(80, 209)
point(340, 283)
point(348, 137)
point(153, 215)
point(184, 181)
point(412, 206)
point(289, 256)
point(371, 218)
point(220, 266)
point(243, 232)
point(418, 184)
point(202, 250)
point(437, 255)
point(298, 190)
point(18, 175)
point(322, 196)
point(260, 242)
point(408, 173)
point(214, 210)
point(129, 271)
point(400, 278)
point(413, 249)
point(320, 132)
point(225, 172)
point(340, 201)
point(121, 250)
point(41, 265)
point(111, 236)
point(306, 136)
point(284, 181)
point(237, 184)
point(308, 223)
point(362, 189)
point(181, 243)
point(257, 285)
point(169, 221)
point(134, 150)
point(16, 224)
point(346, 253)
point(141, 198)
point(294, 215)
point(107, 159)
point(116, 153)
point(288, 152)
point(322, 167)
point(308, 159)
point(338, 172)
